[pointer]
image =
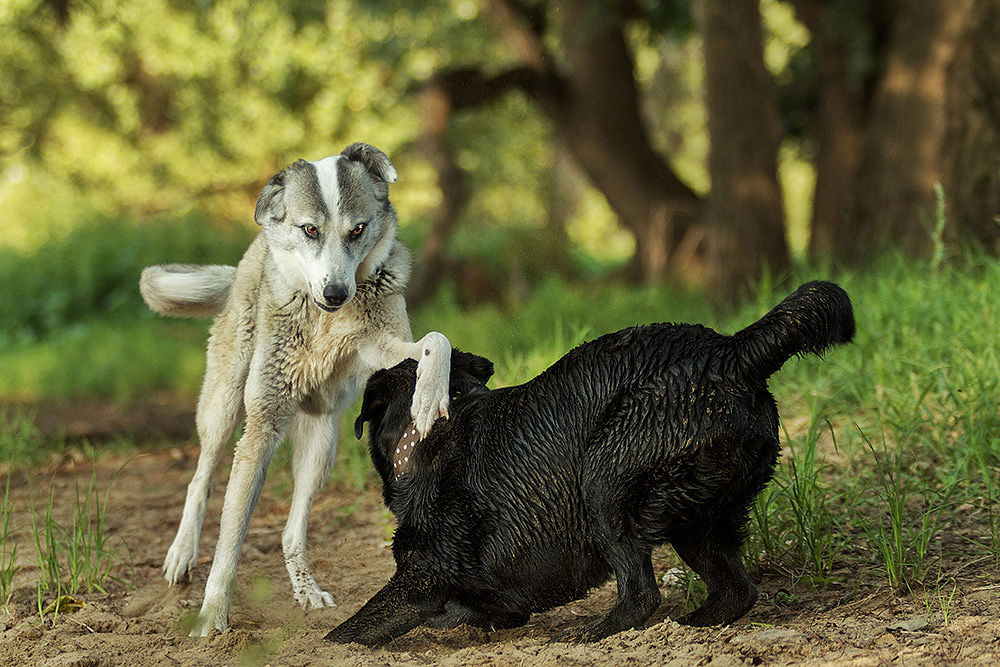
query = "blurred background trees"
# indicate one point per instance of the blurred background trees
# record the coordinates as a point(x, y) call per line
point(692, 141)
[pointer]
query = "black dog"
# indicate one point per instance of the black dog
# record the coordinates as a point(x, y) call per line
point(529, 496)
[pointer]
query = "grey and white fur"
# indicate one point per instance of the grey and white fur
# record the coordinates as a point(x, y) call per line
point(315, 306)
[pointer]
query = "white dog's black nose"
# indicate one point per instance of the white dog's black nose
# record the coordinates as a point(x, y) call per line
point(334, 295)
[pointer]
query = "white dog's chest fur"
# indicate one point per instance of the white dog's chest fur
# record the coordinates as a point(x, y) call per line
point(312, 353)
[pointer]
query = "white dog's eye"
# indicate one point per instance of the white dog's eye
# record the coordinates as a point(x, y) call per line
point(311, 231)
point(358, 230)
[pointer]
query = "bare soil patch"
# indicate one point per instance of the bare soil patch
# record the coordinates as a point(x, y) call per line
point(844, 624)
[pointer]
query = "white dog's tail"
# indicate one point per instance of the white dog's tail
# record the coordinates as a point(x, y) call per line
point(187, 290)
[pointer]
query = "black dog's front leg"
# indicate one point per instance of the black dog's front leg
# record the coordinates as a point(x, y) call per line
point(400, 606)
point(638, 595)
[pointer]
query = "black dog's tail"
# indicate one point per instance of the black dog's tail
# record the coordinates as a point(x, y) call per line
point(813, 318)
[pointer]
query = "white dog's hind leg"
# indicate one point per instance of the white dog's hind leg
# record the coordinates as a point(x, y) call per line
point(253, 455)
point(219, 411)
point(314, 442)
point(430, 395)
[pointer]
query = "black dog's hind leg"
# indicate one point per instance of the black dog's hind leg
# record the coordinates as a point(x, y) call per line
point(392, 612)
point(638, 594)
point(716, 558)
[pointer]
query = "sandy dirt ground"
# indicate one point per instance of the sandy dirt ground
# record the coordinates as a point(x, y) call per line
point(843, 624)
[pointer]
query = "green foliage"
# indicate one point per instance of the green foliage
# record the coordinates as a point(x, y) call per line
point(72, 321)
point(801, 483)
point(148, 103)
point(20, 441)
point(137, 108)
point(91, 270)
point(156, 106)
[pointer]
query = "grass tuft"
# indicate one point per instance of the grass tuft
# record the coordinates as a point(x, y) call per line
point(80, 556)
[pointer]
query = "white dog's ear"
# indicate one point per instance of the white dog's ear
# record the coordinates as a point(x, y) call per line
point(375, 161)
point(271, 202)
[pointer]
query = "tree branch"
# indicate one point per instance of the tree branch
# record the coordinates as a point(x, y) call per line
point(524, 29)
point(469, 88)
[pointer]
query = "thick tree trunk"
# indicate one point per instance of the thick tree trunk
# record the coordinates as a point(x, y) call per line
point(746, 230)
point(592, 101)
point(971, 157)
point(596, 115)
point(838, 122)
point(900, 161)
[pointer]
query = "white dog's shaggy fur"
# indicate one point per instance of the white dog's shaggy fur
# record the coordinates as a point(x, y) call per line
point(315, 306)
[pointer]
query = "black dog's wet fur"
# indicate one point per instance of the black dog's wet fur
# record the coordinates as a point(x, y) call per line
point(529, 496)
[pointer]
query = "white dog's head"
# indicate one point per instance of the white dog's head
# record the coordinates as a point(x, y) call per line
point(329, 224)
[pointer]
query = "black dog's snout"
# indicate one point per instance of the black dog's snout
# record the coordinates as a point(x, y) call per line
point(334, 295)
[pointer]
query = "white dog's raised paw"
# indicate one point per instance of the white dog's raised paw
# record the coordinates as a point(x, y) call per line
point(430, 395)
point(428, 406)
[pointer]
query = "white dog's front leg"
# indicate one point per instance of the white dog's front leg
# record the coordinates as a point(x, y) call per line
point(246, 479)
point(183, 553)
point(314, 441)
point(430, 396)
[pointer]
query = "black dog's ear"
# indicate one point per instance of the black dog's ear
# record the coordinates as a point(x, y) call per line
point(478, 367)
point(482, 368)
point(387, 391)
point(359, 425)
point(271, 202)
point(375, 161)
point(372, 405)
point(469, 372)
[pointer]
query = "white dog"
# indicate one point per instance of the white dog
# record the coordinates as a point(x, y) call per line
point(315, 306)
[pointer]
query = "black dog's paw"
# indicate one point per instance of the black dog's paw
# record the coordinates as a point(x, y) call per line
point(336, 637)
point(342, 635)
point(584, 634)
point(566, 637)
point(696, 620)
point(722, 610)
point(705, 616)
point(453, 616)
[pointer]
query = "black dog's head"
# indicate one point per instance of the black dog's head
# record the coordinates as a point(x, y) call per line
point(389, 393)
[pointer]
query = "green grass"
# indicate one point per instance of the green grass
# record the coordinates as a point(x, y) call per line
point(904, 527)
point(9, 565)
point(81, 555)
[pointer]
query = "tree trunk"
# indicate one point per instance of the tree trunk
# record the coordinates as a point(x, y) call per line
point(592, 100)
point(436, 104)
point(971, 157)
point(837, 125)
point(746, 229)
point(900, 161)
point(596, 115)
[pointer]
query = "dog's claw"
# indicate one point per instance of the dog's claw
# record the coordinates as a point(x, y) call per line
point(177, 564)
point(425, 413)
point(316, 599)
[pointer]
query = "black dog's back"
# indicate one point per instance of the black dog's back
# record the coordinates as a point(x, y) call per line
point(530, 495)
